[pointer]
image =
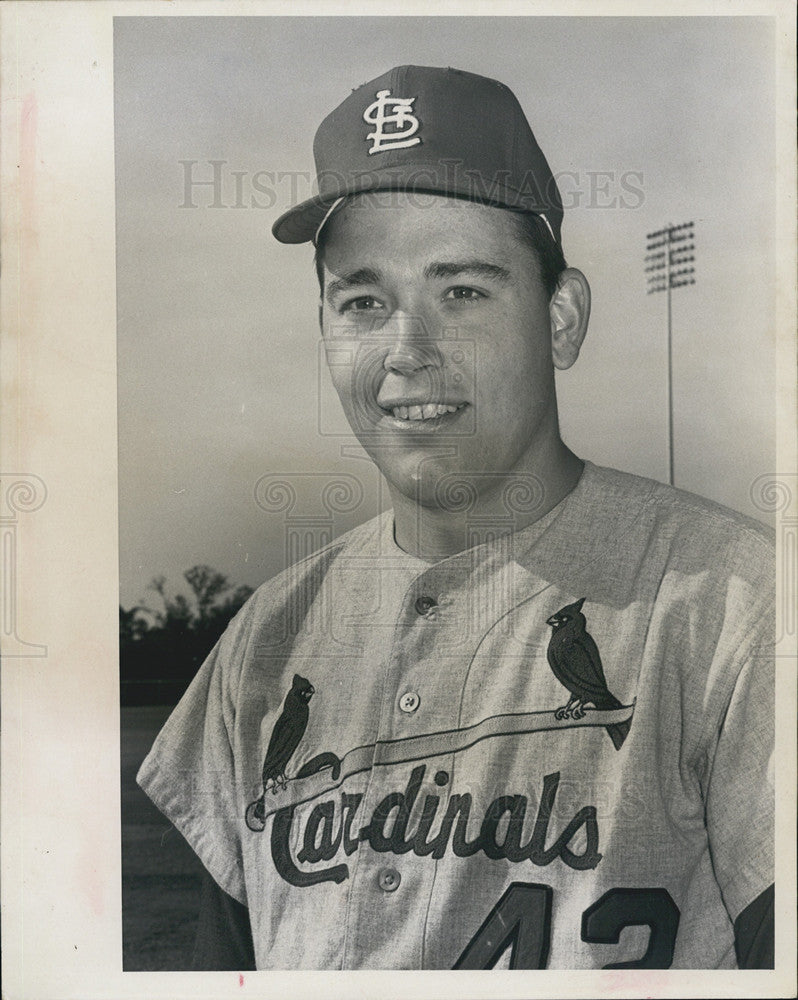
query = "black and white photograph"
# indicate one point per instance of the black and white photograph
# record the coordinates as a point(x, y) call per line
point(436, 388)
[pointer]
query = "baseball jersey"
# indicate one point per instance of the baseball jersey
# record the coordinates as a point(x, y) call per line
point(551, 750)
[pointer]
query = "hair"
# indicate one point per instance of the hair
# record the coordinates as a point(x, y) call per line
point(318, 259)
point(533, 232)
point(530, 229)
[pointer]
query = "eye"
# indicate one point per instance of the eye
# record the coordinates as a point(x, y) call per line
point(462, 293)
point(362, 304)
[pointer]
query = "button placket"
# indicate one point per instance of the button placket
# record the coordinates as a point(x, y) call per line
point(419, 645)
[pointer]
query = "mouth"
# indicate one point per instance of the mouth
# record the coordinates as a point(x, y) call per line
point(422, 411)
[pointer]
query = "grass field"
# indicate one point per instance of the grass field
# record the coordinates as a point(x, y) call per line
point(160, 873)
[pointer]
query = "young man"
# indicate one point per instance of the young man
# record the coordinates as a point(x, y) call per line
point(530, 708)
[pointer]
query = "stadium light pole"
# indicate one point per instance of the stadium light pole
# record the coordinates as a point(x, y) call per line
point(669, 251)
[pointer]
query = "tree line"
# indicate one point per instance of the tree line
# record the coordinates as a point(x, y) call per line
point(162, 647)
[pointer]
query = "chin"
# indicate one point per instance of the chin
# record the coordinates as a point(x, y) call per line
point(435, 484)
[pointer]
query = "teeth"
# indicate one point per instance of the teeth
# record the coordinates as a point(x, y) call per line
point(425, 411)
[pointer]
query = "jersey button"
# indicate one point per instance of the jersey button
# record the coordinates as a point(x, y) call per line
point(425, 604)
point(409, 702)
point(389, 879)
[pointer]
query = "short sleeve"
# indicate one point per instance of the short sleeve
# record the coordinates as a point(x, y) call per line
point(740, 801)
point(190, 772)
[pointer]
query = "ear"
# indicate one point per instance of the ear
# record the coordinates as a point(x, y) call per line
point(569, 310)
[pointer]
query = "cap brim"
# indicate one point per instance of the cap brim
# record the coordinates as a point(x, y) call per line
point(301, 223)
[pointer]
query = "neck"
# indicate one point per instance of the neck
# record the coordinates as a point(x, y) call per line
point(513, 502)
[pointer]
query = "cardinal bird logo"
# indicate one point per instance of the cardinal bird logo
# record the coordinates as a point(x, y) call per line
point(287, 733)
point(286, 737)
point(574, 659)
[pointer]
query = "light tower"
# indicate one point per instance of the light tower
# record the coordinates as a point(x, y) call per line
point(669, 251)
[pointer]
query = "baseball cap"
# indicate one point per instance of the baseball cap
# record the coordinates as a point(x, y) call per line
point(432, 130)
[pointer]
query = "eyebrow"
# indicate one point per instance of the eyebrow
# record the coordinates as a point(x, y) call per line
point(355, 279)
point(477, 267)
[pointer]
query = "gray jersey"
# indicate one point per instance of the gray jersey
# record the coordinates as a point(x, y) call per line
point(553, 750)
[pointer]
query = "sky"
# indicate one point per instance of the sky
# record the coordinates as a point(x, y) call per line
point(646, 122)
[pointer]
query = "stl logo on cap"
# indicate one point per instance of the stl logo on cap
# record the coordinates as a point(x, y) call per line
point(404, 121)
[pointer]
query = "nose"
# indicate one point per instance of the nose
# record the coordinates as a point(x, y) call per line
point(411, 346)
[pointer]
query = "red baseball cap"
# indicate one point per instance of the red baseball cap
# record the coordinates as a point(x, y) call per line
point(433, 130)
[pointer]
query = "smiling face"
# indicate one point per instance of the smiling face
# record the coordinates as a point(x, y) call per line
point(438, 333)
